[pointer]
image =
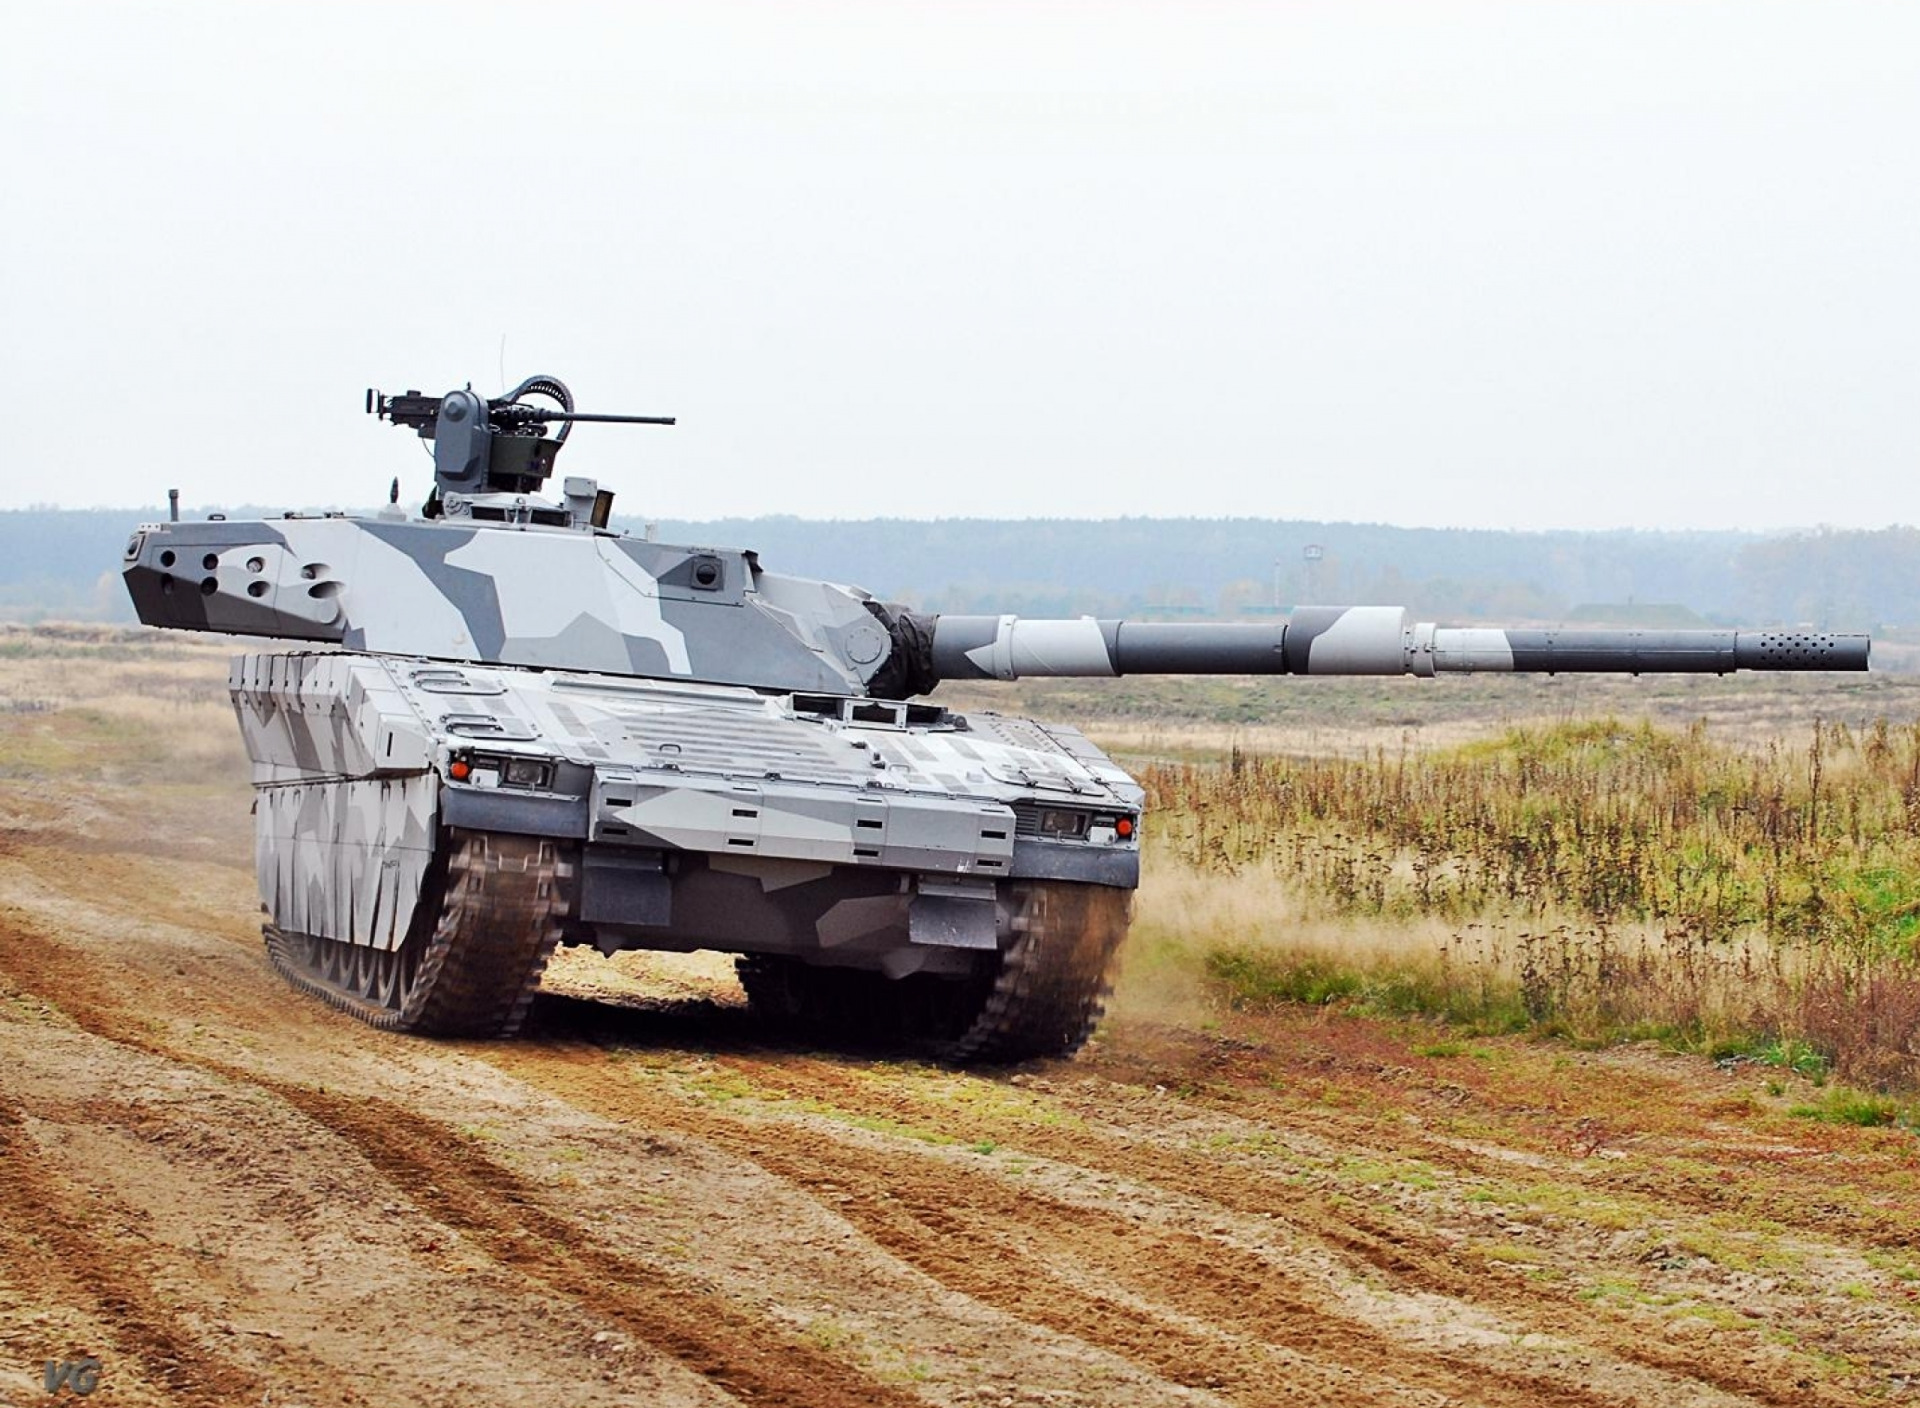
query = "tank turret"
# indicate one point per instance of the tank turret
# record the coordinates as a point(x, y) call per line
point(525, 728)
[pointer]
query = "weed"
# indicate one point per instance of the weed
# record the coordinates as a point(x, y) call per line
point(1608, 1289)
point(827, 1334)
point(1593, 880)
point(1718, 1316)
point(1793, 1054)
point(1254, 979)
point(1896, 1266)
point(880, 1124)
point(1508, 1253)
point(1847, 1106)
point(721, 1086)
point(1260, 1142)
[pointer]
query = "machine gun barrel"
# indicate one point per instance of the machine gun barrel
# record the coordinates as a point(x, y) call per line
point(421, 412)
point(542, 417)
point(1362, 640)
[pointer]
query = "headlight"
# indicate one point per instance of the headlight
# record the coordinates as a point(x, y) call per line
point(536, 773)
point(493, 770)
point(1059, 822)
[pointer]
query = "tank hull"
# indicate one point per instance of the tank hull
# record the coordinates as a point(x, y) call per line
point(909, 849)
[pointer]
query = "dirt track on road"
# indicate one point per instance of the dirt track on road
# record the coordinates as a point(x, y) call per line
point(231, 1194)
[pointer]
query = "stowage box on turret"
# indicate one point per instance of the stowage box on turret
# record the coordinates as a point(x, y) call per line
point(526, 729)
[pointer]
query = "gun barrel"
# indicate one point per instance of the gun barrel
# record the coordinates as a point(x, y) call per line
point(1362, 640)
point(546, 417)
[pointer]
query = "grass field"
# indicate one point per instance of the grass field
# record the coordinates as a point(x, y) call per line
point(1724, 865)
point(1599, 881)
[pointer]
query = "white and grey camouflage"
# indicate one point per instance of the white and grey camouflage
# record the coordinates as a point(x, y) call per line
point(516, 711)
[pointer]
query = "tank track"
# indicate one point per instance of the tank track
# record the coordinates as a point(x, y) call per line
point(471, 962)
point(1042, 997)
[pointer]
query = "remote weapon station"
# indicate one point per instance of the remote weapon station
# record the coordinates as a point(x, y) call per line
point(528, 729)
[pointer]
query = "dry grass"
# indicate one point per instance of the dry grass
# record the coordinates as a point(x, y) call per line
point(1144, 744)
point(116, 709)
point(1604, 820)
point(1330, 713)
point(1597, 880)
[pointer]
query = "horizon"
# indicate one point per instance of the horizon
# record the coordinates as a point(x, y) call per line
point(256, 510)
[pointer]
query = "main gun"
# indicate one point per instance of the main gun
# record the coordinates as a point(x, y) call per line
point(1355, 640)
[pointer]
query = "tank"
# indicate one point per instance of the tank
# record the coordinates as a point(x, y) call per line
point(517, 728)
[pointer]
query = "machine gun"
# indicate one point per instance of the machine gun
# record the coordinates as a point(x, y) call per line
point(487, 447)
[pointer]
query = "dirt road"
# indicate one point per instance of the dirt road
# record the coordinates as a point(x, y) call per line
point(231, 1195)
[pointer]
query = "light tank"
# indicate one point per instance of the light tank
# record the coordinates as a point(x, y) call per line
point(522, 728)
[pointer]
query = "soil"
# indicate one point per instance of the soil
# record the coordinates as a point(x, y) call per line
point(229, 1193)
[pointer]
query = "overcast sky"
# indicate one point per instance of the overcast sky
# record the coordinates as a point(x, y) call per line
point(1499, 265)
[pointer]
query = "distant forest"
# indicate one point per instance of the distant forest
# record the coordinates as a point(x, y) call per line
point(64, 565)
